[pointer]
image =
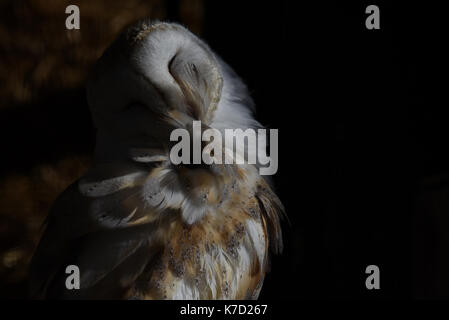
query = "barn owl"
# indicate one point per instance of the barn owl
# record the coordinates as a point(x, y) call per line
point(139, 227)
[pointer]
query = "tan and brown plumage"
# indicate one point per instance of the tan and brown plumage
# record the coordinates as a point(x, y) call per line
point(139, 227)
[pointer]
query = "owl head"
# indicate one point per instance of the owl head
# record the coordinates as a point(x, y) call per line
point(157, 77)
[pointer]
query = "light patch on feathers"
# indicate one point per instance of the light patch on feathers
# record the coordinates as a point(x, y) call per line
point(107, 186)
point(146, 155)
point(186, 290)
point(163, 190)
point(223, 275)
point(235, 109)
point(257, 238)
point(192, 212)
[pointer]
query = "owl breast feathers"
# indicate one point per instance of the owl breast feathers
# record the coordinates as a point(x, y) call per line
point(139, 227)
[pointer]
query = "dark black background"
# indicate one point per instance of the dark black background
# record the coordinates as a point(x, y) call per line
point(363, 140)
point(362, 119)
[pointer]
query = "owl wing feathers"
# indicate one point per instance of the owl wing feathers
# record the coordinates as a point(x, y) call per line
point(272, 211)
point(98, 238)
point(112, 239)
point(55, 243)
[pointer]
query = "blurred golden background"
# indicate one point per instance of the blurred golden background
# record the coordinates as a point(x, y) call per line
point(45, 128)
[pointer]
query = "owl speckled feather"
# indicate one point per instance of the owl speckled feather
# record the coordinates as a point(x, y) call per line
point(139, 227)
